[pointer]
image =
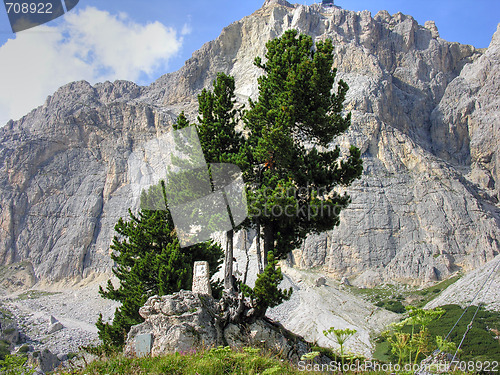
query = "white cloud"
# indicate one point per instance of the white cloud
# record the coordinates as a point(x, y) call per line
point(90, 44)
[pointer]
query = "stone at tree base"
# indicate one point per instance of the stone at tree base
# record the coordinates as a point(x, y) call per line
point(182, 322)
point(176, 322)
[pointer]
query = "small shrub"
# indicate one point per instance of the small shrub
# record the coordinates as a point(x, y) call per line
point(24, 349)
point(15, 365)
point(4, 349)
point(72, 355)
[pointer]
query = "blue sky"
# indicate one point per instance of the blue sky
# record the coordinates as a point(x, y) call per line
point(141, 40)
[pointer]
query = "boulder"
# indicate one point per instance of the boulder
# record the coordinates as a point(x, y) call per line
point(54, 325)
point(345, 281)
point(185, 321)
point(320, 281)
point(10, 334)
point(45, 361)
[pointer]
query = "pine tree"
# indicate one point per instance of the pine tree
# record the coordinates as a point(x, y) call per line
point(149, 261)
point(266, 292)
point(293, 166)
point(220, 142)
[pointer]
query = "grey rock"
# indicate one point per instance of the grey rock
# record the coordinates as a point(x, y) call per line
point(45, 362)
point(10, 334)
point(320, 281)
point(143, 344)
point(55, 327)
point(181, 322)
point(345, 281)
point(177, 323)
point(201, 278)
point(431, 26)
point(479, 286)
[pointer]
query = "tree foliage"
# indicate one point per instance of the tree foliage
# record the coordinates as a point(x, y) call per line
point(149, 261)
point(266, 292)
point(220, 142)
point(217, 121)
point(292, 165)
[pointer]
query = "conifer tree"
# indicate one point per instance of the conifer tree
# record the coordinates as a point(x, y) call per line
point(266, 292)
point(149, 261)
point(293, 167)
point(220, 142)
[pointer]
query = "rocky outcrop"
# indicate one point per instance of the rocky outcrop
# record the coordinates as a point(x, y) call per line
point(17, 276)
point(424, 115)
point(467, 120)
point(481, 286)
point(44, 361)
point(63, 184)
point(182, 322)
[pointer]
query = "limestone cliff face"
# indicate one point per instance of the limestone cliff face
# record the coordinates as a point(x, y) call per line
point(425, 115)
point(64, 176)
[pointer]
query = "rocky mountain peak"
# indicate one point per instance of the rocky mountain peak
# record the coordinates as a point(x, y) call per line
point(278, 2)
point(423, 113)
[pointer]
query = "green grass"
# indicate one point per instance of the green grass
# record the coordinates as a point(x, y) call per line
point(4, 349)
point(393, 297)
point(216, 361)
point(33, 294)
point(432, 292)
point(381, 352)
point(479, 343)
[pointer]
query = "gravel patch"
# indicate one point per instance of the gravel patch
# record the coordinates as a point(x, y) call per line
point(77, 309)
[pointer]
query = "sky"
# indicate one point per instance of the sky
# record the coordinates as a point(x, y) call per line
point(137, 40)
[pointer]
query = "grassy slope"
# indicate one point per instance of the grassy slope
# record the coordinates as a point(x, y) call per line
point(214, 362)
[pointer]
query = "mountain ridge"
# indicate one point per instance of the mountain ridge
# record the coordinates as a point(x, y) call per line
point(426, 207)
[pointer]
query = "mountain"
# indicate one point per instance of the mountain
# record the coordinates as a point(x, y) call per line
point(425, 116)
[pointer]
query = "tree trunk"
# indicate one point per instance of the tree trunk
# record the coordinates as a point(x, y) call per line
point(245, 247)
point(257, 245)
point(228, 262)
point(268, 241)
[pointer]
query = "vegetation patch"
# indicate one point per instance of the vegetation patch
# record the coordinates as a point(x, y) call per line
point(33, 294)
point(395, 297)
point(4, 349)
point(216, 361)
point(6, 316)
point(480, 343)
point(392, 305)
